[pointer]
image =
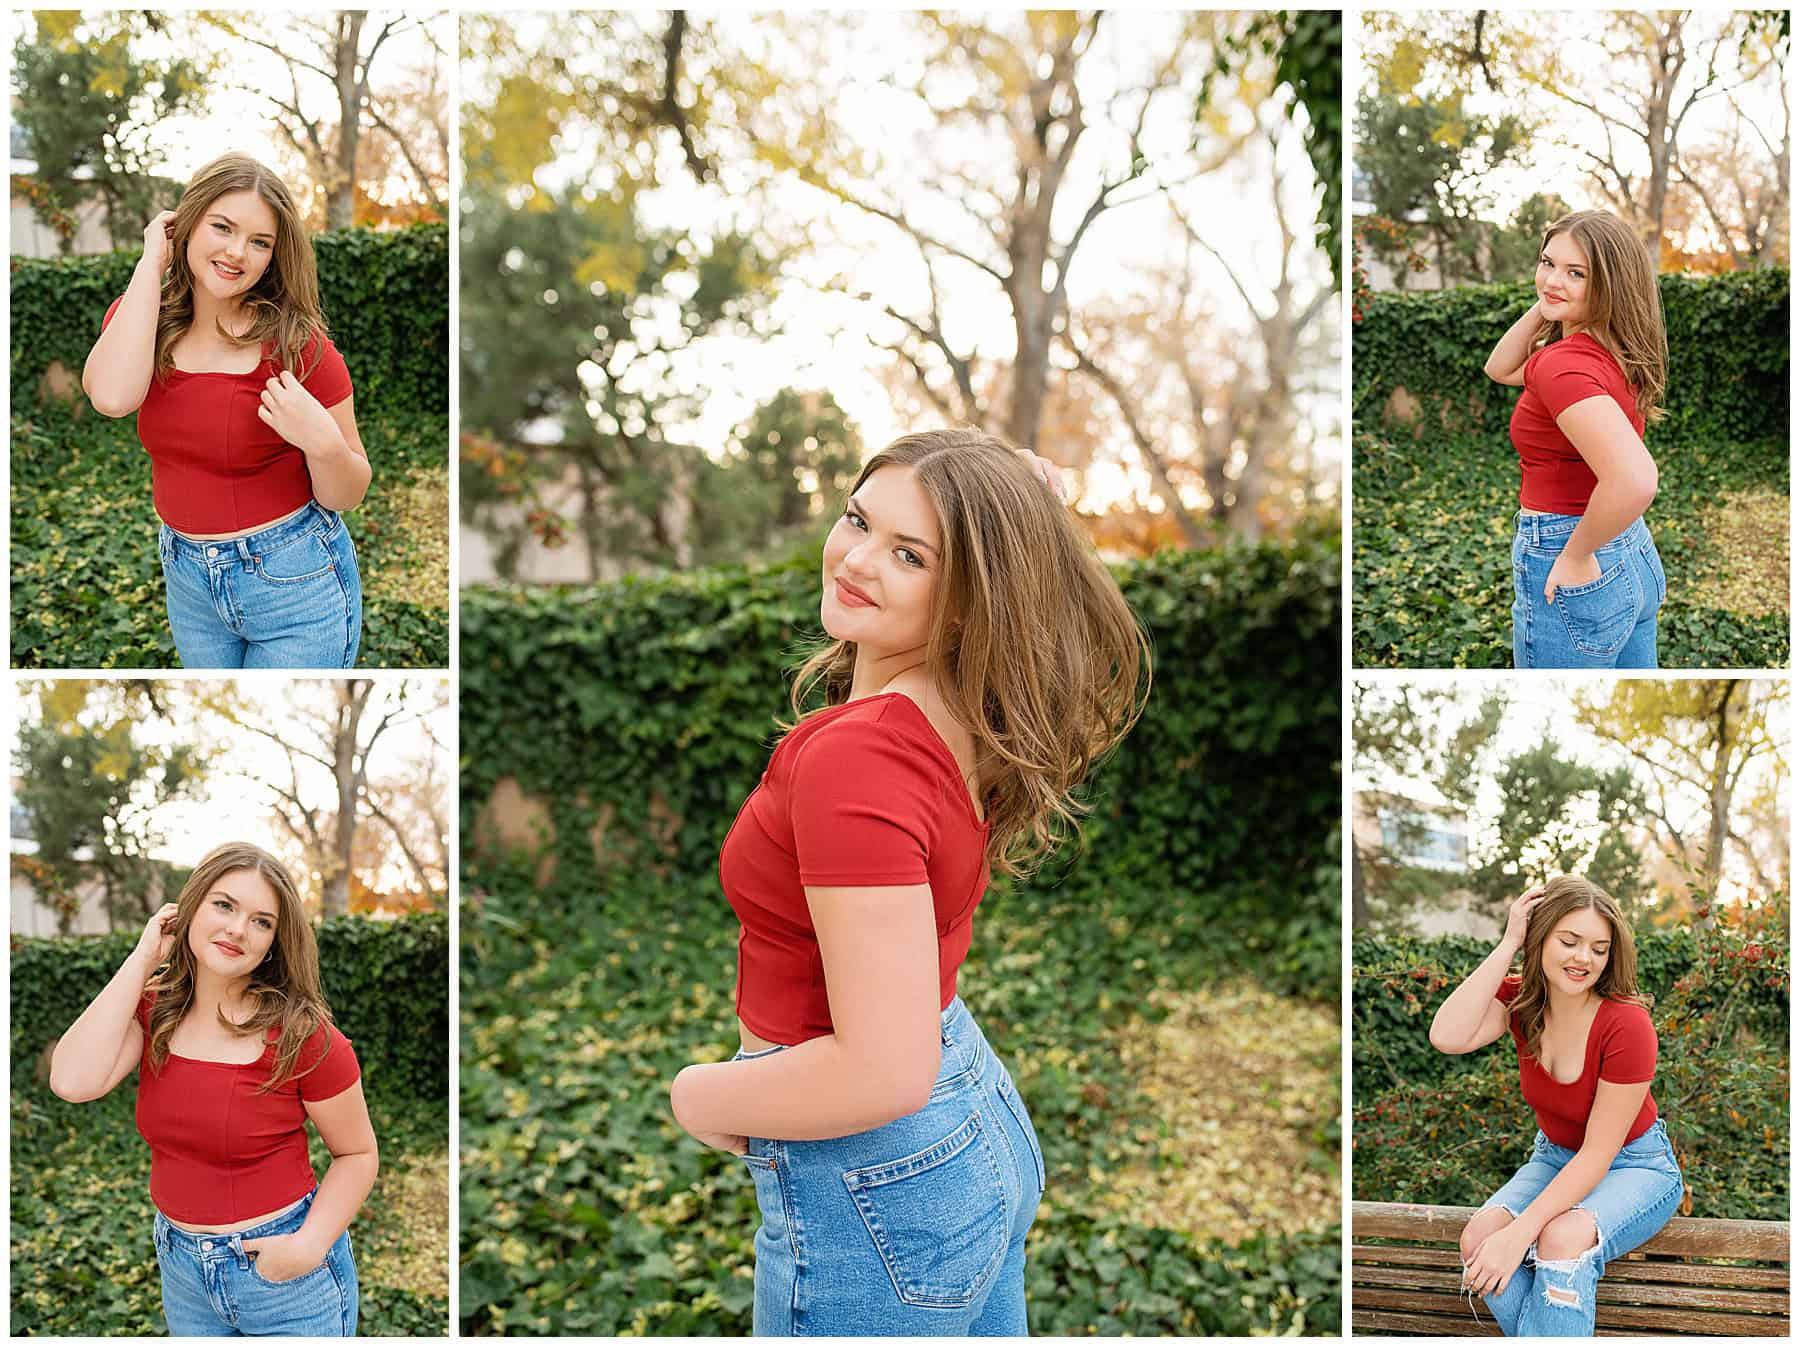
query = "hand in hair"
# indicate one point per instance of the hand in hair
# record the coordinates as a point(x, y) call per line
point(1046, 470)
point(159, 240)
point(1518, 916)
point(159, 934)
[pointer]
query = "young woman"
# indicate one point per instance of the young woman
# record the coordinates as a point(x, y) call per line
point(219, 1010)
point(219, 345)
point(1602, 1176)
point(1592, 357)
point(979, 660)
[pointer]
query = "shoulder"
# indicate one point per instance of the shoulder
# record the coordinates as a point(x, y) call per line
point(873, 730)
point(1579, 354)
point(1627, 1021)
point(1509, 989)
point(322, 369)
point(327, 1064)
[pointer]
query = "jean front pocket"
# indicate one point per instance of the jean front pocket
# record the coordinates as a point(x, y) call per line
point(305, 558)
point(1599, 615)
point(937, 1217)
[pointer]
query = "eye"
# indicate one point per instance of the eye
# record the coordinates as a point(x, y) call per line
point(265, 923)
point(264, 244)
point(222, 904)
point(856, 520)
point(910, 557)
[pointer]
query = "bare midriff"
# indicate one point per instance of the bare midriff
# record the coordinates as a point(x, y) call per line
point(234, 1226)
point(241, 533)
point(752, 1042)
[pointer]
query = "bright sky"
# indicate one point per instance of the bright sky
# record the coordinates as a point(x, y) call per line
point(240, 120)
point(828, 340)
point(1558, 160)
point(234, 804)
point(1545, 705)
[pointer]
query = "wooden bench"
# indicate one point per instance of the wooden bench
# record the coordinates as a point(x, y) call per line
point(1411, 1284)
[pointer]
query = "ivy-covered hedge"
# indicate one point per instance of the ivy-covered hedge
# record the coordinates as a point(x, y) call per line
point(386, 982)
point(386, 296)
point(583, 695)
point(1728, 356)
point(1432, 1128)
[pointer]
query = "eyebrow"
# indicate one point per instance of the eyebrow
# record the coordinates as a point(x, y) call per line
point(255, 912)
point(856, 505)
point(221, 215)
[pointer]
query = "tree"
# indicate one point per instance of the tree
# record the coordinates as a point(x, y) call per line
point(90, 788)
point(337, 53)
point(86, 101)
point(337, 725)
point(572, 316)
point(1696, 739)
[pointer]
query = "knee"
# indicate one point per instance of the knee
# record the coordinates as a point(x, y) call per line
point(1484, 1224)
point(1567, 1236)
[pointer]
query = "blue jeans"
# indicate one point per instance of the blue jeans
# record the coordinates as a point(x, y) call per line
point(286, 597)
point(1609, 623)
point(1634, 1199)
point(211, 1288)
point(915, 1228)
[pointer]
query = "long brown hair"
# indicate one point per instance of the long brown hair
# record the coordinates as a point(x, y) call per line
point(1624, 308)
point(1032, 647)
point(285, 987)
point(283, 304)
point(1618, 981)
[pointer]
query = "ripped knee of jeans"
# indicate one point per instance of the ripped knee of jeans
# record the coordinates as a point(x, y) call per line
point(1561, 1279)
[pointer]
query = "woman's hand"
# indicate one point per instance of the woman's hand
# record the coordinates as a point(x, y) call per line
point(719, 1141)
point(1046, 470)
point(295, 414)
point(159, 935)
point(1571, 571)
point(1495, 1261)
point(159, 241)
point(1518, 916)
point(281, 1258)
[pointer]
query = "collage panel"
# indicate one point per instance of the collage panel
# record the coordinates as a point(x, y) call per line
point(230, 920)
point(946, 490)
point(1570, 339)
point(1598, 870)
point(230, 340)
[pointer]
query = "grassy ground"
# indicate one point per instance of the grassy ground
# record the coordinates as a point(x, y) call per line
point(82, 1260)
point(586, 1212)
point(1431, 553)
point(86, 588)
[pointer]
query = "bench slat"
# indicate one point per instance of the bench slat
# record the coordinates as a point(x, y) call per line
point(1612, 1291)
point(1369, 1321)
point(1454, 1319)
point(1688, 1236)
point(1632, 1267)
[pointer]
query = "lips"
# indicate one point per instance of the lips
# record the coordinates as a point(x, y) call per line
point(228, 273)
point(851, 596)
point(228, 948)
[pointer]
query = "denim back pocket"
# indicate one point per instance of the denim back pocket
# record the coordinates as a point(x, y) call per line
point(937, 1217)
point(1599, 615)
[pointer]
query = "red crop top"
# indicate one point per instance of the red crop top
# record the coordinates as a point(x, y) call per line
point(215, 465)
point(1621, 1047)
point(221, 1149)
point(1553, 475)
point(866, 793)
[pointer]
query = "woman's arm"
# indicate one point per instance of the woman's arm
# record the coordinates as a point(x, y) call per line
point(117, 373)
point(1472, 1016)
point(1506, 365)
point(1625, 485)
point(879, 948)
point(105, 1042)
point(1615, 1109)
point(343, 1123)
point(327, 436)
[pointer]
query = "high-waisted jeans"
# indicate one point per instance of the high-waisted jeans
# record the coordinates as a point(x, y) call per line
point(285, 597)
point(211, 1288)
point(1635, 1198)
point(1609, 623)
point(915, 1228)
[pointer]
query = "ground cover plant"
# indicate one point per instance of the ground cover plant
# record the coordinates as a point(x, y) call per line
point(598, 955)
point(1435, 479)
point(82, 1259)
point(87, 590)
point(1438, 1129)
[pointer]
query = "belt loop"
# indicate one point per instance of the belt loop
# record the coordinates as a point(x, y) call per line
point(237, 1252)
point(243, 548)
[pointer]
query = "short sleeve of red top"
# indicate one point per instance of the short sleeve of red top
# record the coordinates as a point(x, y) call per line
point(863, 794)
point(215, 465)
point(1621, 1048)
point(1553, 475)
point(221, 1149)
